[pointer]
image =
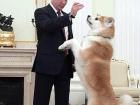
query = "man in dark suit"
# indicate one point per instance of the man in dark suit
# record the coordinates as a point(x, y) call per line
point(53, 67)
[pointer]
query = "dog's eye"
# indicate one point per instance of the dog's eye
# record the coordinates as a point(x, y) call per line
point(96, 18)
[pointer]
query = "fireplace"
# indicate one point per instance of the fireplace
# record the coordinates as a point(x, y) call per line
point(16, 79)
point(11, 90)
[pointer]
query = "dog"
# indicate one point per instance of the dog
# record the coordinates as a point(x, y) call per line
point(93, 54)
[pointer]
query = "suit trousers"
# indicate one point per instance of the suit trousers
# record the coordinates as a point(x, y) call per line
point(44, 84)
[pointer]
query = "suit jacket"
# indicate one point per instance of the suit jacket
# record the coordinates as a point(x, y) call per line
point(49, 60)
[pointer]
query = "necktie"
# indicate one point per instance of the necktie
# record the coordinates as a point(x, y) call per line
point(58, 13)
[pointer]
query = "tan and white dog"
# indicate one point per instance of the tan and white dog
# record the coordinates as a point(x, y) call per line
point(93, 55)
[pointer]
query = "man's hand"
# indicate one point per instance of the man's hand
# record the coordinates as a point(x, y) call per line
point(75, 8)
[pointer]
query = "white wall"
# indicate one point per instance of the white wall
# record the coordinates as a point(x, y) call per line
point(22, 12)
point(103, 7)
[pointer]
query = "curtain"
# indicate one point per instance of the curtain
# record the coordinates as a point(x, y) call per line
point(127, 36)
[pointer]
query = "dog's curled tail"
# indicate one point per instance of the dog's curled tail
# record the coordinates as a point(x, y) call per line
point(127, 100)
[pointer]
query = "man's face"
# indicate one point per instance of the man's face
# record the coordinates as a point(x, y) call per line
point(59, 4)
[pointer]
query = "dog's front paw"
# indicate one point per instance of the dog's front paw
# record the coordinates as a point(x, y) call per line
point(61, 47)
point(65, 45)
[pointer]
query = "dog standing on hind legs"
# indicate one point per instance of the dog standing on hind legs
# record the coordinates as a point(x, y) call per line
point(93, 56)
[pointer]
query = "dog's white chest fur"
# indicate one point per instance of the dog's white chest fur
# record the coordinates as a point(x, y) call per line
point(87, 41)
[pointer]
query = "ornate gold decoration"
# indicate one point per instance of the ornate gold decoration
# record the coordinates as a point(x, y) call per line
point(7, 39)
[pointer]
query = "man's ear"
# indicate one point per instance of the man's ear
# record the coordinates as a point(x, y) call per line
point(109, 21)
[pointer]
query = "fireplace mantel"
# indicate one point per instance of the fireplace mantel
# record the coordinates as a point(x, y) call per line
point(17, 62)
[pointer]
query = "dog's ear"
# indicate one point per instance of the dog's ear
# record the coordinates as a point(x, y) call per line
point(109, 21)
